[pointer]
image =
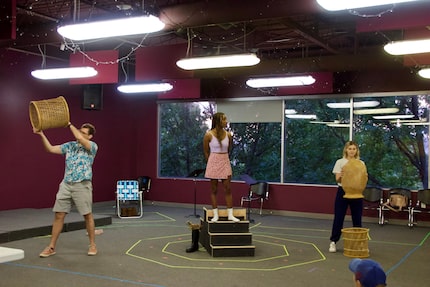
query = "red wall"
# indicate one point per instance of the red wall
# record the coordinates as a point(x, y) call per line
point(127, 138)
point(126, 135)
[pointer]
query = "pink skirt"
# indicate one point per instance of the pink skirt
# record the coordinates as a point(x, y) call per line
point(218, 166)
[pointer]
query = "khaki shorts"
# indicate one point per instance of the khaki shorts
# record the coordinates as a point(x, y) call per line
point(79, 194)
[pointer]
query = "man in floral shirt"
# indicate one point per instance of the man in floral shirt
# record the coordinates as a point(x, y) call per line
point(76, 187)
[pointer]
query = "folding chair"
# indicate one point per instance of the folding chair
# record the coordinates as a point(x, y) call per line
point(129, 199)
point(258, 191)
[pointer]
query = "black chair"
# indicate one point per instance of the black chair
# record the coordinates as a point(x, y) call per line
point(144, 183)
point(423, 202)
point(258, 191)
point(406, 205)
point(374, 200)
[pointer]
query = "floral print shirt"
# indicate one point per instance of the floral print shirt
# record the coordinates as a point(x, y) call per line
point(79, 161)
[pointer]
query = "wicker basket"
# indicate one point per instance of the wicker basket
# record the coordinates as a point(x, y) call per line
point(50, 113)
point(355, 242)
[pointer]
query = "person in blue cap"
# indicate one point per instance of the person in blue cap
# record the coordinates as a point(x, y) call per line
point(367, 273)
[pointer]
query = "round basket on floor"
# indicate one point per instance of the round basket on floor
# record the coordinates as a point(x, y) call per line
point(50, 113)
point(355, 242)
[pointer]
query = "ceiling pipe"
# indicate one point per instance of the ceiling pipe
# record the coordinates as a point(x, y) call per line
point(204, 13)
point(196, 14)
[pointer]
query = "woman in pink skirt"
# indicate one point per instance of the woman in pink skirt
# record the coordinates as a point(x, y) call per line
point(217, 144)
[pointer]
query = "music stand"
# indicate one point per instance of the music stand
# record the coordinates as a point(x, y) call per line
point(194, 174)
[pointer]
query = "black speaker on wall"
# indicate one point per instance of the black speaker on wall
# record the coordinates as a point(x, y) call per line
point(92, 97)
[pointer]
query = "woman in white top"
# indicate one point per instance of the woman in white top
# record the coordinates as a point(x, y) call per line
point(350, 151)
point(217, 144)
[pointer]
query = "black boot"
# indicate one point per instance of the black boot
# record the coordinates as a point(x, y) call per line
point(195, 241)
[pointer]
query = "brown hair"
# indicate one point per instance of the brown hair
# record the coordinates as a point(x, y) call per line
point(216, 124)
point(90, 127)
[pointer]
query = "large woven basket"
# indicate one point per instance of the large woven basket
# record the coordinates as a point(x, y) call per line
point(50, 113)
point(355, 242)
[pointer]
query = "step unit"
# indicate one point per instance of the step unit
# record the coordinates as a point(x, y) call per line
point(226, 238)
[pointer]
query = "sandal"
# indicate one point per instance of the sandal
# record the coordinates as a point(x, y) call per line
point(92, 250)
point(48, 251)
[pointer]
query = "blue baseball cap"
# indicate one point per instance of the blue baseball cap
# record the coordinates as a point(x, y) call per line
point(368, 272)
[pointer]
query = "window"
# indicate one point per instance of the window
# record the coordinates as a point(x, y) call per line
point(299, 140)
point(393, 144)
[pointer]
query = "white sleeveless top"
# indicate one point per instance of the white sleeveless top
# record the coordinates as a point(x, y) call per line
point(215, 146)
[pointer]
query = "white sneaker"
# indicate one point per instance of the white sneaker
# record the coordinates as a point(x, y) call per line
point(215, 215)
point(332, 247)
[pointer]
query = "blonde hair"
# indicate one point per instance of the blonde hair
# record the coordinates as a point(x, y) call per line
point(345, 149)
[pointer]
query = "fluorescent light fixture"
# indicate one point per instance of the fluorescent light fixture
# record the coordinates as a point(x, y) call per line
point(408, 47)
point(336, 5)
point(425, 73)
point(376, 111)
point(64, 73)
point(335, 124)
point(338, 125)
point(280, 81)
point(407, 121)
point(347, 105)
point(339, 105)
point(144, 88)
point(319, 122)
point(416, 124)
point(420, 122)
point(390, 117)
point(111, 28)
point(225, 61)
point(290, 111)
point(302, 117)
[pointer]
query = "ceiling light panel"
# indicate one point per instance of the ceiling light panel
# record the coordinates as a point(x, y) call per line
point(347, 105)
point(224, 61)
point(424, 73)
point(376, 111)
point(333, 5)
point(280, 81)
point(64, 73)
point(111, 28)
point(408, 47)
point(391, 117)
point(302, 117)
point(145, 88)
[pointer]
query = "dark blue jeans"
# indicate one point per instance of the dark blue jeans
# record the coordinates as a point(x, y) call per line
point(340, 207)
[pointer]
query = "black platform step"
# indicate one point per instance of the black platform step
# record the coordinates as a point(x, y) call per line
point(230, 239)
point(232, 251)
point(227, 226)
point(226, 238)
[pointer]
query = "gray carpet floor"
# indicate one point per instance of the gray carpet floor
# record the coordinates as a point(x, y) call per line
point(150, 251)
